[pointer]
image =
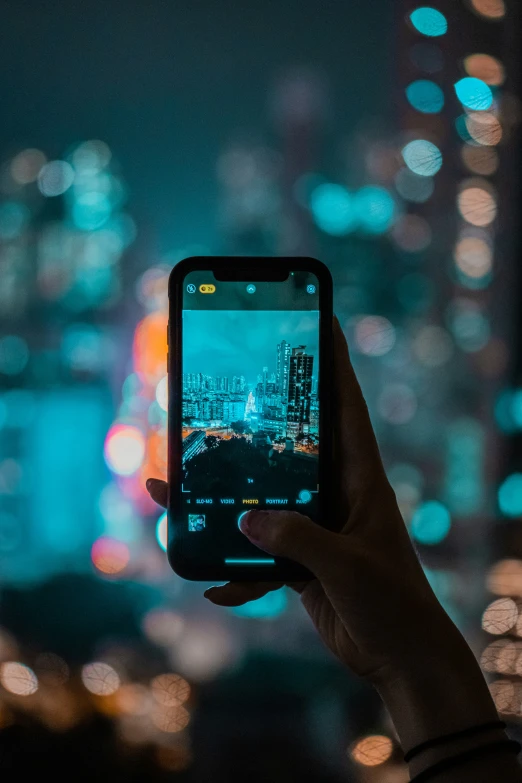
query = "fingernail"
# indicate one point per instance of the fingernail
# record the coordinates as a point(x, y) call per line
point(252, 523)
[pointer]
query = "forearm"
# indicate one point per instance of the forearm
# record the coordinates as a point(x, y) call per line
point(443, 691)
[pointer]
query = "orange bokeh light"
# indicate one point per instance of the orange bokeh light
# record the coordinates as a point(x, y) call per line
point(109, 555)
point(150, 347)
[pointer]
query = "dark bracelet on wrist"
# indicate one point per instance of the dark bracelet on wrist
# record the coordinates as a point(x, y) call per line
point(432, 743)
point(467, 755)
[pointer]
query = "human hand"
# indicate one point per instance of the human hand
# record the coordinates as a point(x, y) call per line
point(370, 599)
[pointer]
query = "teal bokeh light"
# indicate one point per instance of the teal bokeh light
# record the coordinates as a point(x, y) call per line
point(161, 531)
point(516, 408)
point(474, 93)
point(510, 495)
point(429, 21)
point(430, 523)
point(375, 209)
point(422, 157)
point(333, 209)
point(268, 607)
point(425, 96)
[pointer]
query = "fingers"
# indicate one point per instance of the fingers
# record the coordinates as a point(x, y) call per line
point(292, 535)
point(357, 448)
point(239, 593)
point(158, 491)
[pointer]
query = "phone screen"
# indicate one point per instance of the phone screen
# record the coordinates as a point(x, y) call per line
point(250, 409)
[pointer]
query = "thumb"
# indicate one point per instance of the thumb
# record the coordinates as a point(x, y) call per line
point(290, 534)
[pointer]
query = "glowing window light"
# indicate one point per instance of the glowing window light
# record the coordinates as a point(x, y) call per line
point(100, 678)
point(268, 607)
point(55, 178)
point(170, 720)
point(161, 532)
point(412, 233)
point(505, 578)
point(429, 21)
point(430, 523)
point(124, 449)
point(375, 209)
point(422, 157)
point(480, 161)
point(14, 354)
point(18, 678)
point(500, 616)
point(490, 9)
point(333, 209)
point(510, 495)
point(372, 751)
point(414, 187)
point(397, 403)
point(485, 67)
point(109, 556)
point(484, 128)
point(477, 206)
point(473, 256)
point(425, 96)
point(499, 656)
point(150, 347)
point(374, 335)
point(433, 346)
point(171, 690)
point(474, 93)
point(162, 394)
point(26, 165)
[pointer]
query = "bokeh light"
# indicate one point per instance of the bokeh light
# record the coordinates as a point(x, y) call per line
point(150, 347)
point(372, 751)
point(161, 532)
point(430, 523)
point(469, 325)
point(485, 67)
point(374, 335)
point(14, 218)
point(477, 206)
point(490, 9)
point(474, 93)
point(422, 157)
point(429, 21)
point(412, 233)
point(133, 699)
point(510, 495)
point(397, 403)
point(333, 209)
point(425, 96)
point(505, 577)
point(55, 177)
point(162, 396)
point(500, 656)
point(170, 690)
point(414, 187)
point(109, 555)
point(473, 256)
point(484, 128)
point(170, 719)
point(26, 166)
point(163, 626)
point(433, 346)
point(124, 449)
point(100, 678)
point(18, 678)
point(374, 208)
point(480, 160)
point(500, 616)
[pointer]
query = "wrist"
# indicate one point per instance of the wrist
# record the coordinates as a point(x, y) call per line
point(437, 690)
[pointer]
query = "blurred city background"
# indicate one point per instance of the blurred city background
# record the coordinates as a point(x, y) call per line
point(382, 138)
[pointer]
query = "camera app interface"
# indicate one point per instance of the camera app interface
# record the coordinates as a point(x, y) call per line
point(250, 408)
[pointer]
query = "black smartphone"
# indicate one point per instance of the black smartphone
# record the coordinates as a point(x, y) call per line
point(250, 362)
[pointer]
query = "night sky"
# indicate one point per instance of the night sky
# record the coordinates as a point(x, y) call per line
point(219, 342)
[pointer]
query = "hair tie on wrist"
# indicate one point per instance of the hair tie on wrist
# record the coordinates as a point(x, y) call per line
point(467, 755)
point(431, 743)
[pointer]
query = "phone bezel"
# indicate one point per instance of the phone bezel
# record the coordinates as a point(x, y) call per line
point(285, 570)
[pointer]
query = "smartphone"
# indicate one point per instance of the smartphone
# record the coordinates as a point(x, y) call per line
point(249, 368)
